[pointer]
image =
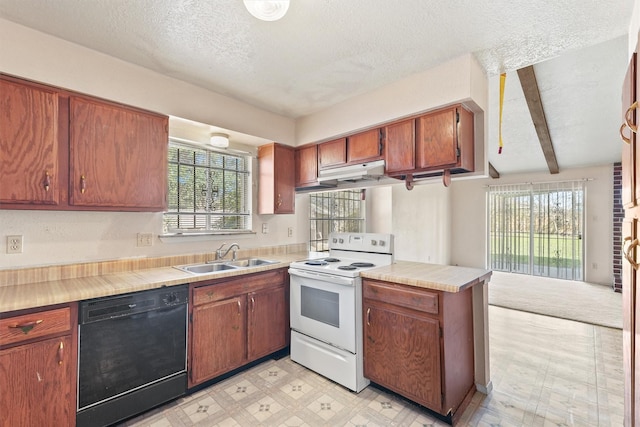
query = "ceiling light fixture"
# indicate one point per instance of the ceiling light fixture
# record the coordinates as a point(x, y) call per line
point(267, 10)
point(220, 140)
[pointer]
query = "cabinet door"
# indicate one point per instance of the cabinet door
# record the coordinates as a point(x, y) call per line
point(402, 353)
point(629, 175)
point(29, 144)
point(276, 185)
point(36, 384)
point(285, 180)
point(267, 322)
point(400, 147)
point(219, 334)
point(332, 153)
point(364, 146)
point(436, 140)
point(306, 166)
point(118, 156)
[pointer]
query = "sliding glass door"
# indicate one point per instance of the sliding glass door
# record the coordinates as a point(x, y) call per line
point(537, 229)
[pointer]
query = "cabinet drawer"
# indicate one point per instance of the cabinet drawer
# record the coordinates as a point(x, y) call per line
point(28, 326)
point(403, 296)
point(224, 289)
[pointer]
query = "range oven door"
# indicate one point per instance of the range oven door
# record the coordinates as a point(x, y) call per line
point(323, 306)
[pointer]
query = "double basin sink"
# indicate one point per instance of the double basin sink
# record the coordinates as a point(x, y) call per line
point(218, 266)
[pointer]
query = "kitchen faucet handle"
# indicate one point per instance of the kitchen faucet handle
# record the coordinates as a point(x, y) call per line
point(221, 246)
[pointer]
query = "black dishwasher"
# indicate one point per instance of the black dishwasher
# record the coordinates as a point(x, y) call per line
point(132, 354)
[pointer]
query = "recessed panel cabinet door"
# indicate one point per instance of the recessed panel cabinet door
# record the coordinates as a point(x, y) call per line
point(219, 337)
point(402, 353)
point(364, 146)
point(29, 144)
point(36, 384)
point(267, 321)
point(436, 139)
point(118, 156)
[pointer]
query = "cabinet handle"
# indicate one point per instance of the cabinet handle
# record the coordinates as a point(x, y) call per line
point(627, 252)
point(60, 353)
point(627, 117)
point(369, 316)
point(47, 181)
point(279, 201)
point(83, 184)
point(26, 327)
point(253, 304)
point(624, 138)
point(239, 308)
point(627, 122)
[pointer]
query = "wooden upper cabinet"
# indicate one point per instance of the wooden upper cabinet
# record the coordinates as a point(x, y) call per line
point(364, 146)
point(332, 153)
point(306, 160)
point(444, 139)
point(29, 144)
point(276, 186)
point(118, 156)
point(399, 147)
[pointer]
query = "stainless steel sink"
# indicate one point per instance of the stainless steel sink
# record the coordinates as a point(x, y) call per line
point(214, 267)
point(206, 268)
point(251, 262)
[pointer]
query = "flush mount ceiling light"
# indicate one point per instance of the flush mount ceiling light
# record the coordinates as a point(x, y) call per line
point(220, 140)
point(267, 10)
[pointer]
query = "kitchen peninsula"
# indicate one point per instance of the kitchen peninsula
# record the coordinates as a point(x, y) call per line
point(446, 283)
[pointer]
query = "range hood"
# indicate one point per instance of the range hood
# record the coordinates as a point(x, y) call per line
point(359, 172)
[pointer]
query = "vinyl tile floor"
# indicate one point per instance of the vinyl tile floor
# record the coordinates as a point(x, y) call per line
point(545, 372)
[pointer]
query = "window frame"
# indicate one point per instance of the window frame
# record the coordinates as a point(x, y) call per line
point(334, 223)
point(209, 217)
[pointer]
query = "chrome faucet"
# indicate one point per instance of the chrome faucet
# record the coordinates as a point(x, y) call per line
point(220, 253)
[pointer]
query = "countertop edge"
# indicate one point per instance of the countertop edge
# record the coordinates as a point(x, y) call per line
point(35, 295)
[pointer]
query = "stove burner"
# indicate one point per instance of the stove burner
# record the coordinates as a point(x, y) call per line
point(332, 259)
point(347, 267)
point(362, 264)
point(316, 262)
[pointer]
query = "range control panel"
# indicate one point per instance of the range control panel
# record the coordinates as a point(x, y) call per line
point(362, 242)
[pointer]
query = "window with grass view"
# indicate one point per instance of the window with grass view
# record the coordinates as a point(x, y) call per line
point(341, 211)
point(208, 191)
point(537, 229)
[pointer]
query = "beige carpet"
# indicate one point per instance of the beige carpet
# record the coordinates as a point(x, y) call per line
point(566, 299)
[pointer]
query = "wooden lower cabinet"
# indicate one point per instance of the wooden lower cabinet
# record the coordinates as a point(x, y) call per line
point(268, 319)
point(38, 368)
point(419, 344)
point(236, 321)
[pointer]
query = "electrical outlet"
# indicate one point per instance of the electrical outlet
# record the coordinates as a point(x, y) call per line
point(14, 244)
point(290, 232)
point(265, 228)
point(145, 239)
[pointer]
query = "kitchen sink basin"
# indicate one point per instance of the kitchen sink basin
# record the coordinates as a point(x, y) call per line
point(251, 262)
point(206, 268)
point(213, 267)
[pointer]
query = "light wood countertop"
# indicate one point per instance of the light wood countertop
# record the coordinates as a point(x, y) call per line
point(31, 295)
point(447, 278)
point(50, 292)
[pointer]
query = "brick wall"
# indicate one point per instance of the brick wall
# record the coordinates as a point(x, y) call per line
point(618, 215)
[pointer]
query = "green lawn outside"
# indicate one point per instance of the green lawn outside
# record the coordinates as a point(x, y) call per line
point(550, 250)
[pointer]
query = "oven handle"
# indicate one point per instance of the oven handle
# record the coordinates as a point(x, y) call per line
point(338, 280)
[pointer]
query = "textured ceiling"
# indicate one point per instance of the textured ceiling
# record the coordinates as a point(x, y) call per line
point(323, 52)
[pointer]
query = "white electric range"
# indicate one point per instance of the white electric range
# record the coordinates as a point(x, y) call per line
point(326, 306)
